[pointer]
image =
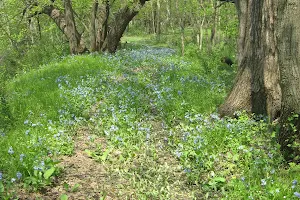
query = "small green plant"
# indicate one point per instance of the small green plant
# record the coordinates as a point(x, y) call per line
point(68, 188)
point(63, 197)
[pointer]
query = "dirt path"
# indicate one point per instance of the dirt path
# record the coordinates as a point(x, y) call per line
point(82, 177)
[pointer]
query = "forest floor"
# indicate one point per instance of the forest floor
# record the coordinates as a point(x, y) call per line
point(140, 124)
point(84, 178)
point(151, 169)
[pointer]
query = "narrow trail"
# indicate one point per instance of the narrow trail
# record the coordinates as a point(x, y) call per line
point(88, 179)
point(81, 177)
point(84, 178)
point(140, 161)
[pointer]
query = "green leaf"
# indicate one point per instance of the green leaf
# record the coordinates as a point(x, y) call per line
point(1, 187)
point(219, 179)
point(75, 187)
point(63, 197)
point(105, 155)
point(89, 153)
point(49, 172)
point(66, 186)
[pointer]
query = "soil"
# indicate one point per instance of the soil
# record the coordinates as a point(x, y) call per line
point(84, 176)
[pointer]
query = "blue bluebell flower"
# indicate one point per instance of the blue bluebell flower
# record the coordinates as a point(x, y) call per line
point(148, 136)
point(294, 182)
point(19, 175)
point(119, 138)
point(2, 133)
point(178, 154)
point(187, 170)
point(22, 157)
point(263, 182)
point(10, 150)
point(297, 194)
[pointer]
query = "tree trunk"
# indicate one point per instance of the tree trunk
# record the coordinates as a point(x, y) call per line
point(289, 61)
point(256, 86)
point(158, 23)
point(118, 26)
point(106, 30)
point(93, 33)
point(214, 27)
point(71, 27)
point(66, 24)
point(153, 17)
point(102, 31)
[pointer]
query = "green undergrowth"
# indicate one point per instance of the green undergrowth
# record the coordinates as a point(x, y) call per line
point(156, 111)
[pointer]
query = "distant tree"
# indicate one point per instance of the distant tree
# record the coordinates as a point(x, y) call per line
point(102, 25)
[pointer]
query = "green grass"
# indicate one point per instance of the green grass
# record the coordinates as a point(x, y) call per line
point(156, 111)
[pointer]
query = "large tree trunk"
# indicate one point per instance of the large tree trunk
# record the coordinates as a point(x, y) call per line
point(118, 26)
point(256, 87)
point(93, 33)
point(106, 29)
point(289, 61)
point(74, 38)
point(111, 30)
point(66, 23)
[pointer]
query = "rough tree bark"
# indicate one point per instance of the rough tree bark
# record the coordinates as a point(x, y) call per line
point(118, 26)
point(269, 43)
point(106, 28)
point(93, 33)
point(72, 33)
point(256, 87)
point(289, 61)
point(66, 23)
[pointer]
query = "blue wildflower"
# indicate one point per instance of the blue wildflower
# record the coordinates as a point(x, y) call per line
point(119, 138)
point(114, 128)
point(263, 182)
point(19, 175)
point(270, 155)
point(178, 153)
point(27, 132)
point(1, 176)
point(22, 157)
point(148, 136)
point(214, 116)
point(2, 133)
point(10, 150)
point(297, 194)
point(37, 168)
point(187, 170)
point(294, 182)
